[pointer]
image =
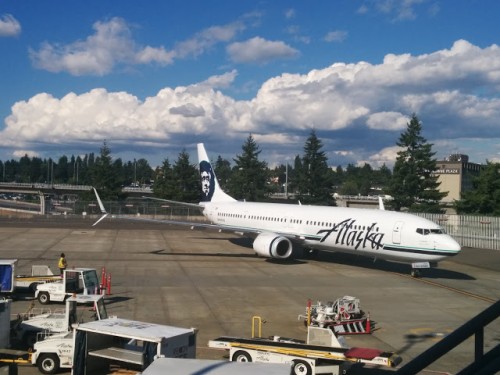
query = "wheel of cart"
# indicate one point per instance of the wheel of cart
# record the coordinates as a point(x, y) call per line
point(48, 363)
point(301, 367)
point(241, 356)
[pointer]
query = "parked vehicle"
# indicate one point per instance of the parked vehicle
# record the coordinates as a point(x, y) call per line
point(73, 281)
point(132, 344)
point(12, 283)
point(30, 327)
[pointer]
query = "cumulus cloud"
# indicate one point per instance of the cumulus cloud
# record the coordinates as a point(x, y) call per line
point(387, 121)
point(260, 51)
point(9, 26)
point(207, 38)
point(112, 44)
point(359, 107)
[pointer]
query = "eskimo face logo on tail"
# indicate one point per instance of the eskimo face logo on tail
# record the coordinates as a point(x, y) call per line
point(207, 181)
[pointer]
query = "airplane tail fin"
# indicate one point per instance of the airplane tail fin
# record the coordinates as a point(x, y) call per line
point(210, 188)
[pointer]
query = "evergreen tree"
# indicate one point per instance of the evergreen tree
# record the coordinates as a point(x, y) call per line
point(186, 180)
point(249, 175)
point(413, 185)
point(61, 172)
point(315, 182)
point(164, 181)
point(485, 197)
point(104, 175)
point(223, 172)
point(295, 179)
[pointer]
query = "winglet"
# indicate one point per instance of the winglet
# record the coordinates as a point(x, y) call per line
point(101, 206)
point(381, 204)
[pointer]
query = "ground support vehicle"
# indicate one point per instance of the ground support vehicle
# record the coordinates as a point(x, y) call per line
point(9, 356)
point(11, 283)
point(130, 344)
point(73, 281)
point(323, 352)
point(32, 326)
point(344, 316)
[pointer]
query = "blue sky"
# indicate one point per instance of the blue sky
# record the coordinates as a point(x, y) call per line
point(153, 78)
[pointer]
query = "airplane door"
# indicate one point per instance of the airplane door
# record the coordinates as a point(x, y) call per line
point(396, 232)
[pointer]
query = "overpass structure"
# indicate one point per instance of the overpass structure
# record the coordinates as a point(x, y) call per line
point(44, 190)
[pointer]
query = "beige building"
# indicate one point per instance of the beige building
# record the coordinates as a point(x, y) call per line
point(455, 174)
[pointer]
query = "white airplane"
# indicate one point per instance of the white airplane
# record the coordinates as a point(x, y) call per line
point(282, 231)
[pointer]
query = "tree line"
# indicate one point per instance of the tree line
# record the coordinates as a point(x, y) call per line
point(411, 184)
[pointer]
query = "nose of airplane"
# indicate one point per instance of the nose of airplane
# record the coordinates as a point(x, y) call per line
point(452, 246)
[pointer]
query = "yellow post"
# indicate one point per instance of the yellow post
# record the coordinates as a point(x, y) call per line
point(308, 312)
point(259, 322)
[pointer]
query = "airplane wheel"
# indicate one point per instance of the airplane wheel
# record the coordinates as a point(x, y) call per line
point(301, 368)
point(415, 273)
point(48, 363)
point(44, 298)
point(241, 356)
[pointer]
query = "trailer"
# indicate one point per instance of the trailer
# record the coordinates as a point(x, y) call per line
point(322, 353)
point(34, 325)
point(130, 344)
point(11, 283)
point(73, 281)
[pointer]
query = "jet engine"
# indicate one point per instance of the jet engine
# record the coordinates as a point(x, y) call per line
point(271, 245)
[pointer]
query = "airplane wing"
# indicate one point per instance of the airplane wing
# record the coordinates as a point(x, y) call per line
point(197, 205)
point(242, 231)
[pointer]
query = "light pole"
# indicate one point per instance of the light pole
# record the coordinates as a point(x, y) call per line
point(135, 172)
point(286, 180)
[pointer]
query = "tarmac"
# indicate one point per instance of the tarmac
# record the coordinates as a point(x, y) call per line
point(213, 281)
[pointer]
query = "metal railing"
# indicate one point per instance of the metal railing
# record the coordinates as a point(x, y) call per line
point(470, 231)
point(482, 364)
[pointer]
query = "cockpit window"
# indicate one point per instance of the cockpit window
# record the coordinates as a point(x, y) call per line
point(437, 231)
point(429, 231)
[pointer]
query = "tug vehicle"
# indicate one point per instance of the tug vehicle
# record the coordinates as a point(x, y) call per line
point(33, 325)
point(73, 281)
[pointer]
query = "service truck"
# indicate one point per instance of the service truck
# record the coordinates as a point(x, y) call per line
point(130, 344)
point(322, 353)
point(73, 281)
point(79, 308)
point(11, 283)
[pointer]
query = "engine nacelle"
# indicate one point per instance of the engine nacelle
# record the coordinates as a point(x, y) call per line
point(271, 245)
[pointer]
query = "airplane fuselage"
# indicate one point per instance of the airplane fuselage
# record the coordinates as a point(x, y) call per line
point(375, 233)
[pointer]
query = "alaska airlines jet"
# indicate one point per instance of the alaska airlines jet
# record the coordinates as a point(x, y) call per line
point(282, 231)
